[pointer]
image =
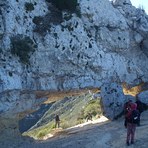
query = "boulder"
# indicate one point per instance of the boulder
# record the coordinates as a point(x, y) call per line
point(143, 96)
point(113, 99)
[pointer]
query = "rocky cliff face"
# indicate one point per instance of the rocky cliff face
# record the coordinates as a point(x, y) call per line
point(44, 49)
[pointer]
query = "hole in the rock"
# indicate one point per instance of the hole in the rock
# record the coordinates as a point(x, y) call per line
point(73, 108)
point(31, 119)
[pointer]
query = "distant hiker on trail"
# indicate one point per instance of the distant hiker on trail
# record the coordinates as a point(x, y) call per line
point(132, 120)
point(140, 107)
point(89, 117)
point(126, 110)
point(57, 121)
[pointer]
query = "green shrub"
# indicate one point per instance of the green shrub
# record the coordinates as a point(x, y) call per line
point(43, 132)
point(29, 6)
point(22, 47)
point(40, 132)
point(93, 107)
point(69, 5)
point(78, 12)
point(41, 135)
point(37, 20)
point(80, 119)
point(66, 124)
point(43, 23)
point(55, 16)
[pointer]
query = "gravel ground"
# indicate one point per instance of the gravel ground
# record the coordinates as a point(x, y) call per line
point(108, 134)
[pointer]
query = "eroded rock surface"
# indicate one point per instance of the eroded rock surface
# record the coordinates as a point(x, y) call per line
point(107, 42)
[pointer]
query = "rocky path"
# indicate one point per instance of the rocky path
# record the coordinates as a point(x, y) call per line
point(99, 135)
point(106, 134)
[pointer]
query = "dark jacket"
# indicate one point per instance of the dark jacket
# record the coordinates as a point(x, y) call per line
point(57, 118)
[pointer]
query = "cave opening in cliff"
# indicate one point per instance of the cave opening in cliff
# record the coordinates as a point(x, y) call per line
point(72, 107)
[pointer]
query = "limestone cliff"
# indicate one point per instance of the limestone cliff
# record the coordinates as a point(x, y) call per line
point(45, 49)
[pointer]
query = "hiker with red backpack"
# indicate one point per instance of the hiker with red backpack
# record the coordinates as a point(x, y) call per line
point(126, 110)
point(132, 117)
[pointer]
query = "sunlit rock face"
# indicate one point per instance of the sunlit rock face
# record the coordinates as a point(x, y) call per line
point(108, 41)
point(143, 97)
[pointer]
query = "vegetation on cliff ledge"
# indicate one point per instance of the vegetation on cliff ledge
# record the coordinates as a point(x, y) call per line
point(22, 47)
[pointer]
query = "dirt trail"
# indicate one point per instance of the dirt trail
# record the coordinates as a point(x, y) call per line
point(89, 135)
point(99, 135)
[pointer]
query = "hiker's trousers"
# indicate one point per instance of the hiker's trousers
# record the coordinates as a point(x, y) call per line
point(131, 128)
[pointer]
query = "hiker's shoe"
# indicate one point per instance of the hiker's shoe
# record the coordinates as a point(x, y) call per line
point(127, 143)
point(132, 142)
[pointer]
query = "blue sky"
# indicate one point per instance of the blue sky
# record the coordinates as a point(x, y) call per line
point(143, 3)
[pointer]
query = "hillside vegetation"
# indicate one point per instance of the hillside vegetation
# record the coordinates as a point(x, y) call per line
point(72, 111)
